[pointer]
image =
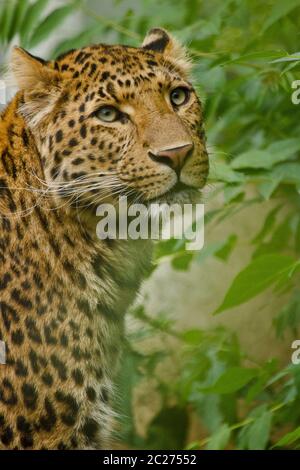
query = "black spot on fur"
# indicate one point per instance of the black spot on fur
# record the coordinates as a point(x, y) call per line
point(34, 361)
point(91, 394)
point(19, 299)
point(7, 435)
point(48, 420)
point(7, 393)
point(29, 396)
point(9, 164)
point(73, 142)
point(77, 161)
point(4, 281)
point(17, 337)
point(32, 331)
point(72, 408)
point(26, 441)
point(105, 75)
point(84, 307)
point(83, 131)
point(9, 315)
point(59, 366)
point(20, 369)
point(77, 377)
point(47, 379)
point(59, 136)
point(90, 429)
point(23, 425)
point(64, 340)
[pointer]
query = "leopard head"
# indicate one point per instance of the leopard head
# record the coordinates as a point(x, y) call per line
point(111, 120)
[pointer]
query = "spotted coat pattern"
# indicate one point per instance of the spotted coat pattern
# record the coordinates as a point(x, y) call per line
point(63, 293)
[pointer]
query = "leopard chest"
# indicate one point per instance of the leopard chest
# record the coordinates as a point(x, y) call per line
point(99, 331)
point(64, 303)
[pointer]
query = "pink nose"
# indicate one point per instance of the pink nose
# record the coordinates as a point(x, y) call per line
point(173, 157)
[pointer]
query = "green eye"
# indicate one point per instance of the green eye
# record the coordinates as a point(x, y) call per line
point(179, 96)
point(108, 114)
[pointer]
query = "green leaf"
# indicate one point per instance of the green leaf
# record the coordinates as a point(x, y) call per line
point(275, 153)
point(8, 16)
point(210, 250)
point(233, 192)
point(219, 439)
point(267, 225)
point(222, 172)
point(255, 389)
point(260, 274)
point(279, 10)
point(192, 337)
point(288, 317)
point(50, 23)
point(259, 432)
point(18, 17)
point(285, 147)
point(232, 380)
point(279, 240)
point(254, 56)
point(255, 434)
point(267, 187)
point(78, 40)
point(297, 235)
point(208, 407)
point(166, 248)
point(283, 173)
point(287, 58)
point(288, 173)
point(252, 159)
point(182, 262)
point(2, 21)
point(289, 438)
point(30, 20)
point(224, 252)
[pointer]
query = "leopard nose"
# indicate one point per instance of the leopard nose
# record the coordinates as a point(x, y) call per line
point(173, 157)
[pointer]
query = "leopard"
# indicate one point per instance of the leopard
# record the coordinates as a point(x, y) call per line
point(94, 124)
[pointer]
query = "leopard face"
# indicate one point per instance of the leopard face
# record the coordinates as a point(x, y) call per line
point(116, 120)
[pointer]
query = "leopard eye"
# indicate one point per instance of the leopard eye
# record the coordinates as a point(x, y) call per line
point(179, 96)
point(108, 114)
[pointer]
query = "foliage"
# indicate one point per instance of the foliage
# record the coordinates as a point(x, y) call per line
point(246, 58)
point(238, 406)
point(30, 20)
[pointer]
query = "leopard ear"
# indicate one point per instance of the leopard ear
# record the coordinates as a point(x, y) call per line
point(40, 84)
point(30, 71)
point(159, 40)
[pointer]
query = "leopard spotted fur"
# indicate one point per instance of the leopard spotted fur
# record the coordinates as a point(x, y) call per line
point(63, 292)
